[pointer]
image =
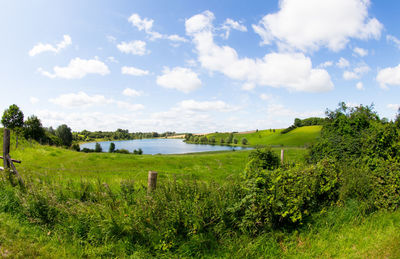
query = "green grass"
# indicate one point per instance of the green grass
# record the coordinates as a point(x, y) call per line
point(298, 137)
point(110, 219)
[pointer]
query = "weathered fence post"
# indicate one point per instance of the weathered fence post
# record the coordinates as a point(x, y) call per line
point(151, 181)
point(282, 156)
point(6, 148)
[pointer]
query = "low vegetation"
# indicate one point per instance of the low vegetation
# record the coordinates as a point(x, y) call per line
point(340, 199)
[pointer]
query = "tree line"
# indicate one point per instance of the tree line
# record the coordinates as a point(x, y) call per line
point(202, 139)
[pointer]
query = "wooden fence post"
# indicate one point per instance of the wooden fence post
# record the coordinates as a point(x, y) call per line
point(151, 181)
point(6, 148)
point(282, 156)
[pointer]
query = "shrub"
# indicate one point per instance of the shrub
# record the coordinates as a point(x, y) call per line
point(98, 148)
point(245, 141)
point(111, 149)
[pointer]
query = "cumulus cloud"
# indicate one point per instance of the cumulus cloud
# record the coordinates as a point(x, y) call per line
point(179, 78)
point(77, 68)
point(360, 51)
point(392, 39)
point(136, 47)
point(131, 92)
point(41, 47)
point(193, 105)
point(230, 24)
point(279, 110)
point(356, 73)
point(146, 25)
point(83, 100)
point(360, 86)
point(389, 76)
point(342, 63)
point(289, 70)
point(80, 99)
point(326, 64)
point(311, 24)
point(133, 71)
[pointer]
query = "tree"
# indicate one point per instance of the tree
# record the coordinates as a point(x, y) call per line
point(235, 141)
point(245, 141)
point(97, 148)
point(65, 134)
point(33, 129)
point(112, 148)
point(13, 118)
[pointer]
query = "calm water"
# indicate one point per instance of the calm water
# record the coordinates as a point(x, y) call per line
point(159, 146)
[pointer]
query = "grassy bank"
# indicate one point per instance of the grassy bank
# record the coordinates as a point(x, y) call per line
point(298, 137)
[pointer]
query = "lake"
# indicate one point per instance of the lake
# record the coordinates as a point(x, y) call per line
point(159, 146)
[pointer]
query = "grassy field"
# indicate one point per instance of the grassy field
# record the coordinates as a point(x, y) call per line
point(298, 137)
point(54, 218)
point(64, 164)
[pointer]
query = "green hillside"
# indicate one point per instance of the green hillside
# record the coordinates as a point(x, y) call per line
point(298, 137)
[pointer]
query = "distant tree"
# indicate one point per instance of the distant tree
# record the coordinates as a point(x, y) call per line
point(212, 140)
point(65, 134)
point(245, 141)
point(33, 129)
point(229, 139)
point(140, 151)
point(222, 141)
point(235, 141)
point(13, 119)
point(297, 122)
point(97, 148)
point(112, 148)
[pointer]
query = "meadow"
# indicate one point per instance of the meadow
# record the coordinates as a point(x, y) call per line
point(299, 137)
point(91, 205)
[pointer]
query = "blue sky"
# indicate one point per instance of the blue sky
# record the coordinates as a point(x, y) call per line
point(197, 66)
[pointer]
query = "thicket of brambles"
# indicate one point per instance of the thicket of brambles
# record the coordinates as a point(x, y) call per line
point(356, 159)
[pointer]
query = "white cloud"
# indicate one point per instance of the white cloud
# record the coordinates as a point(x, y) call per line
point(131, 92)
point(394, 40)
point(81, 99)
point(230, 24)
point(146, 25)
point(326, 64)
point(129, 106)
point(136, 47)
point(111, 39)
point(78, 68)
point(356, 73)
point(360, 51)
point(193, 105)
point(279, 110)
point(180, 78)
point(247, 86)
point(265, 97)
point(360, 86)
point(394, 107)
point(342, 63)
point(133, 71)
point(289, 70)
point(40, 47)
point(33, 100)
point(112, 59)
point(311, 24)
point(389, 76)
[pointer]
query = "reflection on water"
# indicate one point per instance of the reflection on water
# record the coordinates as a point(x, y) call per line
point(159, 146)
